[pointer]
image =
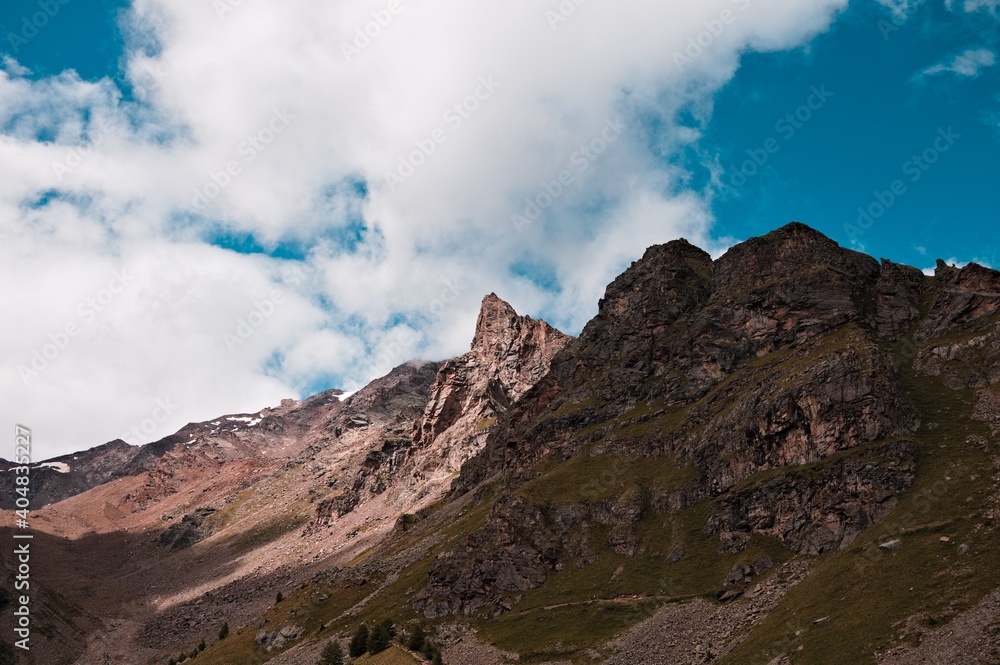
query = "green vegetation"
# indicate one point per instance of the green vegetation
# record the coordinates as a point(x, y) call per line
point(394, 655)
point(359, 643)
point(542, 634)
point(867, 592)
point(381, 636)
point(585, 477)
point(332, 654)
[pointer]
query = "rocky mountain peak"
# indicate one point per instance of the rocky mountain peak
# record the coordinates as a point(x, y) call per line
point(514, 347)
point(510, 354)
point(788, 252)
point(497, 323)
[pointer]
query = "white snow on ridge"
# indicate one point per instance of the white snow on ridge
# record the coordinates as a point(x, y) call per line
point(245, 419)
point(61, 467)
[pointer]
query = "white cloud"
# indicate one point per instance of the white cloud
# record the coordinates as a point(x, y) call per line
point(13, 67)
point(991, 6)
point(262, 114)
point(968, 64)
point(955, 263)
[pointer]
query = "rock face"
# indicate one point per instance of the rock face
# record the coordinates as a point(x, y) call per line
point(379, 420)
point(766, 359)
point(69, 475)
point(188, 531)
point(964, 295)
point(446, 422)
point(820, 510)
point(474, 392)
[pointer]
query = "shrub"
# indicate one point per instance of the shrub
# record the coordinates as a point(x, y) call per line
point(378, 640)
point(332, 654)
point(415, 641)
point(359, 643)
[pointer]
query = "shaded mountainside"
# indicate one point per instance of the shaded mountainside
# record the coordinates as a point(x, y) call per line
point(785, 455)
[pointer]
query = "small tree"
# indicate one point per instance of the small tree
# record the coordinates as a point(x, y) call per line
point(332, 654)
point(378, 640)
point(278, 598)
point(359, 643)
point(201, 645)
point(415, 641)
point(224, 631)
point(437, 658)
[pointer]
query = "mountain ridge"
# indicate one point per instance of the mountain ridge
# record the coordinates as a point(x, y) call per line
point(723, 432)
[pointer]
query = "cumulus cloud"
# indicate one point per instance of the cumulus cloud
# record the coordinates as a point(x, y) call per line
point(412, 157)
point(969, 64)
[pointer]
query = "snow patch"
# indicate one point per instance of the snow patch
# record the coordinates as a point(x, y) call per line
point(249, 420)
point(188, 443)
point(61, 467)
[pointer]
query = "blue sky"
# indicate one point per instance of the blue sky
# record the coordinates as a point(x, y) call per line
point(84, 36)
point(882, 112)
point(292, 204)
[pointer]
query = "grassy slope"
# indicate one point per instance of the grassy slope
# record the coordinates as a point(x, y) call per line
point(866, 592)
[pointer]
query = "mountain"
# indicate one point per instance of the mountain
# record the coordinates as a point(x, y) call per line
point(787, 454)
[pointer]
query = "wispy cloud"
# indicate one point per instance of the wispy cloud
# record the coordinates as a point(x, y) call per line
point(991, 6)
point(969, 64)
